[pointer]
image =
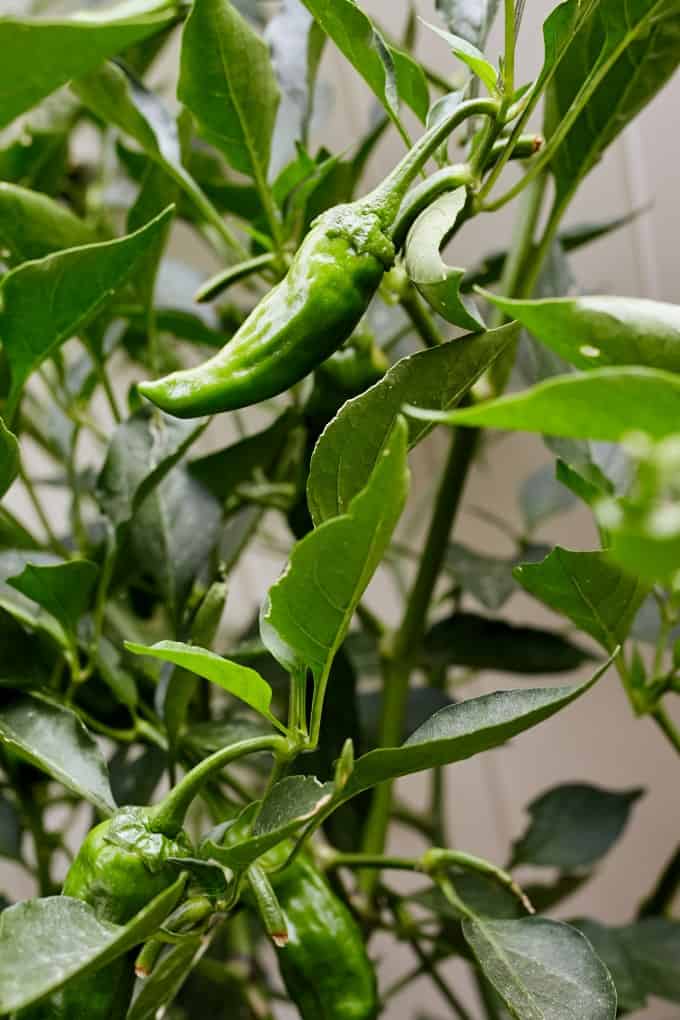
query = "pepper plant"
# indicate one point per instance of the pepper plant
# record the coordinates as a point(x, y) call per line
point(185, 789)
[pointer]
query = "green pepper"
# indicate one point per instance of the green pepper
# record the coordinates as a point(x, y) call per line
point(315, 308)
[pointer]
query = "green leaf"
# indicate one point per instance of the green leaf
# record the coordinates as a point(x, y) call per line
point(202, 738)
point(10, 830)
point(64, 589)
point(607, 403)
point(33, 225)
point(463, 730)
point(41, 55)
point(593, 332)
point(631, 55)
point(593, 593)
point(227, 81)
point(471, 56)
point(543, 970)
point(438, 282)
point(291, 803)
point(45, 302)
point(389, 73)
point(471, 19)
point(242, 682)
point(573, 826)
point(310, 607)
point(351, 444)
point(480, 642)
point(643, 958)
point(54, 740)
point(141, 453)
point(166, 979)
point(44, 943)
point(9, 458)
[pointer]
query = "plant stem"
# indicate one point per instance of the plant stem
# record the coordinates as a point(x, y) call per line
point(666, 889)
point(406, 645)
point(444, 990)
point(667, 726)
point(56, 544)
point(509, 59)
point(421, 319)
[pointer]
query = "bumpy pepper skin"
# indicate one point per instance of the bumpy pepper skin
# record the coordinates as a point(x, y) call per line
point(302, 321)
point(324, 964)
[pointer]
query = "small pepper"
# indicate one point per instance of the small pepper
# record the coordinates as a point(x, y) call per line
point(315, 308)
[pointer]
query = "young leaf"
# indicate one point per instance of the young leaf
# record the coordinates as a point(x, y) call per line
point(64, 589)
point(391, 74)
point(54, 740)
point(310, 608)
point(471, 56)
point(240, 681)
point(471, 19)
point(594, 594)
point(463, 730)
point(479, 642)
point(573, 826)
point(438, 282)
point(41, 55)
point(593, 332)
point(47, 301)
point(44, 943)
point(607, 403)
point(341, 464)
point(227, 81)
point(33, 225)
point(9, 458)
point(543, 970)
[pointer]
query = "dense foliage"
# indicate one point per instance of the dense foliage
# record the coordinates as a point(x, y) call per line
point(238, 785)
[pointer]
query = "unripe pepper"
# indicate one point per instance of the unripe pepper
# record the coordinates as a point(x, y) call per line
point(315, 308)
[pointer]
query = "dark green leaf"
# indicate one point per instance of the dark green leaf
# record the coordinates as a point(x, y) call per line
point(9, 458)
point(44, 943)
point(464, 730)
point(10, 830)
point(135, 774)
point(606, 403)
point(479, 642)
point(205, 737)
point(573, 826)
point(53, 739)
point(543, 970)
point(593, 593)
point(42, 55)
point(342, 462)
point(64, 589)
point(47, 301)
point(310, 608)
point(33, 225)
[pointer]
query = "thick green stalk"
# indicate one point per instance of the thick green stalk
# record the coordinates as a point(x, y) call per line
point(664, 892)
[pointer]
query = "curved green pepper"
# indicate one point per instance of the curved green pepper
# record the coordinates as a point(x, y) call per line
point(314, 309)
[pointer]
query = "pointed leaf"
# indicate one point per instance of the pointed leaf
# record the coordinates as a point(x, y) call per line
point(471, 19)
point(351, 444)
point(471, 56)
point(64, 589)
point(607, 403)
point(594, 594)
point(33, 225)
point(44, 943)
point(310, 608)
point(9, 458)
point(45, 302)
point(242, 682)
point(543, 970)
point(54, 740)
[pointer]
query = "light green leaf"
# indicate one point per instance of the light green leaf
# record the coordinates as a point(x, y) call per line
point(40, 55)
point(594, 594)
point(607, 403)
point(33, 225)
point(227, 81)
point(543, 970)
point(242, 682)
point(471, 56)
point(573, 826)
point(463, 730)
point(439, 283)
point(64, 589)
point(9, 458)
point(593, 332)
point(310, 607)
point(389, 73)
point(350, 445)
point(54, 740)
point(45, 302)
point(44, 943)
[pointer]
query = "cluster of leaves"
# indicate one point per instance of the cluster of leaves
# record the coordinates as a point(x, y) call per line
point(112, 675)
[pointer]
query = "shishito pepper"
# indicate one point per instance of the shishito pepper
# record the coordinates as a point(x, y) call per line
point(315, 308)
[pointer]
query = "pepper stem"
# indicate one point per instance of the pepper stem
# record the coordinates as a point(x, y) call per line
point(168, 816)
point(387, 197)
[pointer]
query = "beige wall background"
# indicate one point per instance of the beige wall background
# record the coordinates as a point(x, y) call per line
point(597, 739)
